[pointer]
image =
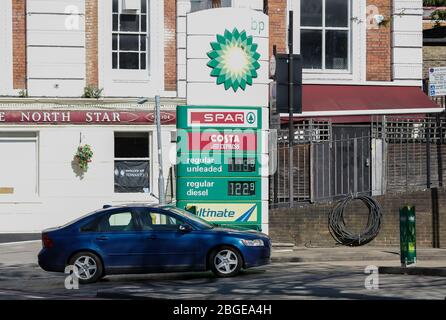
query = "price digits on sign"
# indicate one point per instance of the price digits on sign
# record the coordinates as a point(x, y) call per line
point(241, 188)
point(242, 164)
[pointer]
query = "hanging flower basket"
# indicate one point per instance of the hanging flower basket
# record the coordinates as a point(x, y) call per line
point(83, 156)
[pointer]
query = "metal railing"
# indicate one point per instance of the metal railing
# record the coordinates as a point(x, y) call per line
point(391, 154)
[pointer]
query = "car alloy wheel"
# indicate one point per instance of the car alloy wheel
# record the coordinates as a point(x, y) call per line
point(226, 262)
point(86, 267)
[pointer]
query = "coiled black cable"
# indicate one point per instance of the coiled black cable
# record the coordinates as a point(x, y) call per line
point(339, 231)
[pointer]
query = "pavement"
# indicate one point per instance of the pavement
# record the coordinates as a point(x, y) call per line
point(387, 256)
point(295, 273)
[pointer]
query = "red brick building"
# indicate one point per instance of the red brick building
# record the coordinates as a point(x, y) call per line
point(362, 59)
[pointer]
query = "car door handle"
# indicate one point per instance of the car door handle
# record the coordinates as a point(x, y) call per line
point(102, 238)
point(152, 237)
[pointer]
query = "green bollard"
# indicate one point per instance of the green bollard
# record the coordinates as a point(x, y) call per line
point(408, 236)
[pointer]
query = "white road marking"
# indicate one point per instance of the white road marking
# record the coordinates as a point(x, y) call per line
point(20, 242)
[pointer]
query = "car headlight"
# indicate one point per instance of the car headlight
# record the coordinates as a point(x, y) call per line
point(253, 243)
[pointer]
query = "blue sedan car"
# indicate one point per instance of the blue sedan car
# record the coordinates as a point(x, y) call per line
point(144, 239)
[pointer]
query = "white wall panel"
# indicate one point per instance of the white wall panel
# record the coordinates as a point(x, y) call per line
point(404, 23)
point(408, 7)
point(56, 87)
point(53, 70)
point(407, 27)
point(408, 39)
point(55, 6)
point(205, 94)
point(55, 22)
point(56, 47)
point(57, 55)
point(407, 71)
point(244, 21)
point(408, 55)
point(55, 38)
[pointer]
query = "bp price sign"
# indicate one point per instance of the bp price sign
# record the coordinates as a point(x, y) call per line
point(220, 155)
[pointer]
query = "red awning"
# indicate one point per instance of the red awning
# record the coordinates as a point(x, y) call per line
point(362, 101)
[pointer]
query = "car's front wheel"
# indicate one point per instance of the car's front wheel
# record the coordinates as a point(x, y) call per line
point(87, 267)
point(226, 262)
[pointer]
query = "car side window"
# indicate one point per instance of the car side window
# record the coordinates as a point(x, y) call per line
point(92, 226)
point(151, 220)
point(118, 222)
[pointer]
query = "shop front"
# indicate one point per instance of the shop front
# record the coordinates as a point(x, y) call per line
point(59, 162)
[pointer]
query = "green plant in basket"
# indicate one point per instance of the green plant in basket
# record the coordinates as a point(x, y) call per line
point(84, 155)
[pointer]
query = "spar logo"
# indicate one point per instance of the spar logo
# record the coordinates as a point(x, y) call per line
point(251, 118)
point(222, 118)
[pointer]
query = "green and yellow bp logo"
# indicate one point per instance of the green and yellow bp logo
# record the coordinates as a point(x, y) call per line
point(234, 60)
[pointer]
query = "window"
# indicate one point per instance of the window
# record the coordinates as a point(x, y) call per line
point(18, 174)
point(117, 222)
point(326, 34)
point(197, 5)
point(132, 162)
point(159, 221)
point(130, 36)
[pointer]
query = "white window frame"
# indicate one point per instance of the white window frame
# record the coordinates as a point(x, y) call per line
point(324, 28)
point(149, 159)
point(132, 72)
point(358, 48)
point(131, 83)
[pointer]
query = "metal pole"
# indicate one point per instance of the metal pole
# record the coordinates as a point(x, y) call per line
point(291, 110)
point(439, 149)
point(428, 153)
point(276, 173)
point(162, 198)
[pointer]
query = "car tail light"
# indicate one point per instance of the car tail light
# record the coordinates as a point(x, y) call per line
point(46, 241)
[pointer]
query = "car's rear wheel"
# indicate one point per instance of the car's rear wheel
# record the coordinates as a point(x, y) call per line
point(88, 267)
point(226, 262)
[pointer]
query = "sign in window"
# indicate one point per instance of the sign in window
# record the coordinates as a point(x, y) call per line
point(132, 162)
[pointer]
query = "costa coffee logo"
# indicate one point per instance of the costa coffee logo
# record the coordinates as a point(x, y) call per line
point(222, 141)
point(219, 118)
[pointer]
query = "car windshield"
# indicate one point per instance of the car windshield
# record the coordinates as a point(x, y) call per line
point(190, 216)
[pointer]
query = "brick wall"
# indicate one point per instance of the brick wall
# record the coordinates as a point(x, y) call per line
point(170, 45)
point(433, 56)
point(91, 42)
point(309, 224)
point(277, 12)
point(19, 43)
point(379, 43)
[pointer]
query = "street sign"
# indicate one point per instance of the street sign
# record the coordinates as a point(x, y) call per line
point(220, 164)
point(222, 149)
point(220, 157)
point(437, 81)
point(221, 117)
point(214, 189)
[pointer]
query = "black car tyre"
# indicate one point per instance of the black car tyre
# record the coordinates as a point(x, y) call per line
point(88, 267)
point(225, 262)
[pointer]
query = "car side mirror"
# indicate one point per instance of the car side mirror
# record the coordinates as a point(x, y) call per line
point(185, 228)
